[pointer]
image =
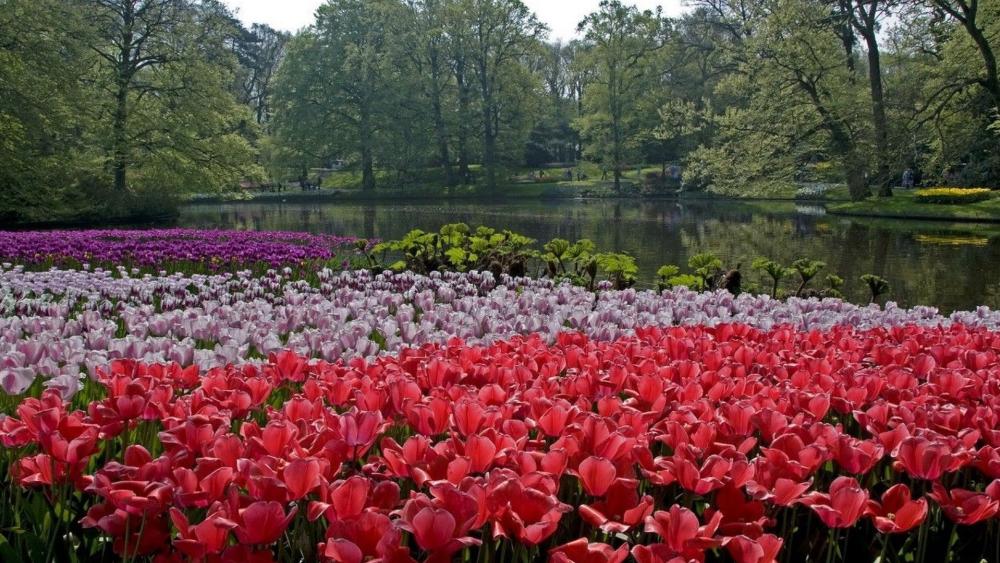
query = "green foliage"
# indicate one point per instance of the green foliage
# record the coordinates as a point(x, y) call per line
point(574, 262)
point(669, 276)
point(456, 247)
point(807, 270)
point(667, 271)
point(707, 266)
point(878, 286)
point(665, 276)
point(689, 281)
point(834, 285)
point(774, 270)
point(620, 268)
point(112, 109)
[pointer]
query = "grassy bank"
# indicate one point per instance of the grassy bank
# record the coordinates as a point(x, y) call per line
point(549, 190)
point(903, 206)
point(588, 188)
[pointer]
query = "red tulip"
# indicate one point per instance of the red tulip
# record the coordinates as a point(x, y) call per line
point(782, 491)
point(739, 515)
point(480, 451)
point(206, 538)
point(620, 510)
point(521, 511)
point(963, 506)
point(301, 476)
point(262, 522)
point(39, 469)
point(370, 534)
point(288, 366)
point(597, 474)
point(897, 513)
point(928, 459)
point(843, 506)
point(582, 551)
point(435, 530)
point(763, 549)
point(857, 456)
point(470, 417)
point(681, 533)
point(555, 420)
point(343, 499)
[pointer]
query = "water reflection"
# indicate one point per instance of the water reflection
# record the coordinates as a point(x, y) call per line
point(946, 266)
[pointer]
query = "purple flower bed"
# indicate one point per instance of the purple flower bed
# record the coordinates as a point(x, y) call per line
point(161, 248)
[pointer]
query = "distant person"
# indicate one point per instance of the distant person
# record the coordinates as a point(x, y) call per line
point(569, 174)
point(604, 173)
point(675, 171)
point(908, 179)
point(951, 175)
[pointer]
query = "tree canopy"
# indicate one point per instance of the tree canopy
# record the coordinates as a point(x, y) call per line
point(117, 107)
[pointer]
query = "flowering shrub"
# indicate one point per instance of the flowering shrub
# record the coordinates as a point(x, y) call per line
point(952, 195)
point(676, 444)
point(164, 248)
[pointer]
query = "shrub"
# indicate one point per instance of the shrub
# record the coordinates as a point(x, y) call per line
point(952, 195)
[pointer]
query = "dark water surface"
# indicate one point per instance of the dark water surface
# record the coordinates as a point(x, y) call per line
point(944, 265)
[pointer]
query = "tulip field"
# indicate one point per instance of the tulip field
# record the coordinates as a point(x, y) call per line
point(201, 400)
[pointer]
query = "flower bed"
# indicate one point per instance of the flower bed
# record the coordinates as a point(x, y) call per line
point(55, 325)
point(168, 249)
point(952, 195)
point(674, 444)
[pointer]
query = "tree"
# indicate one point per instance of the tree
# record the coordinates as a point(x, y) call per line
point(799, 102)
point(260, 51)
point(427, 45)
point(622, 39)
point(980, 22)
point(166, 68)
point(45, 142)
point(335, 88)
point(864, 16)
point(500, 34)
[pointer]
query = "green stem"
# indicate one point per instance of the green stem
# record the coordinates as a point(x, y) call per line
point(951, 541)
point(885, 548)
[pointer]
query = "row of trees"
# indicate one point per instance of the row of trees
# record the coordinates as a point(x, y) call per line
point(109, 108)
point(107, 105)
point(743, 92)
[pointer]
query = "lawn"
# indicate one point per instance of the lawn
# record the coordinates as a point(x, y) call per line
point(902, 205)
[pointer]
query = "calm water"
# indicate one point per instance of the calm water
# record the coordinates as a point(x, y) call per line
point(948, 266)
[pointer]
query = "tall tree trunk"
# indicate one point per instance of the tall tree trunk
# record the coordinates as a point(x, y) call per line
point(464, 96)
point(490, 152)
point(489, 132)
point(441, 132)
point(125, 72)
point(883, 182)
point(579, 114)
point(440, 127)
point(119, 151)
point(841, 144)
point(617, 135)
point(367, 159)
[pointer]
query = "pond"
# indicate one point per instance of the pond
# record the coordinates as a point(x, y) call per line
point(944, 265)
